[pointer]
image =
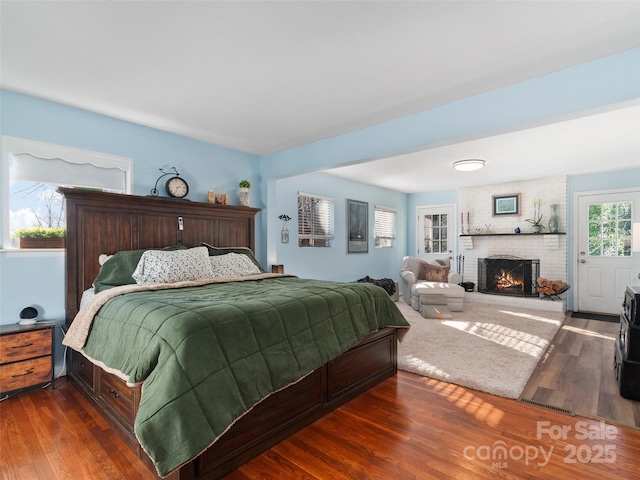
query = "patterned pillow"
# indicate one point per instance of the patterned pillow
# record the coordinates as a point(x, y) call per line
point(157, 266)
point(436, 273)
point(232, 265)
point(240, 250)
point(430, 270)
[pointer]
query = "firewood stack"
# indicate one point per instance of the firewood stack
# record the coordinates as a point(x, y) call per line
point(551, 287)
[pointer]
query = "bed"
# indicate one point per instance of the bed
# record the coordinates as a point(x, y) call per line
point(156, 355)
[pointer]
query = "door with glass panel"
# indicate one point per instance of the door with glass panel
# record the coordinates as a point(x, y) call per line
point(606, 263)
point(436, 233)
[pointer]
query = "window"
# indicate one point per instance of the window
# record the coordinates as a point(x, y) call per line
point(435, 233)
point(610, 229)
point(32, 172)
point(384, 228)
point(315, 220)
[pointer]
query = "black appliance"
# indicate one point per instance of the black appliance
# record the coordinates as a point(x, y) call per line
point(629, 338)
point(627, 351)
point(631, 306)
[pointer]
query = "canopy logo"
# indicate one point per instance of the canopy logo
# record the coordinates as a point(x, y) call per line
point(499, 453)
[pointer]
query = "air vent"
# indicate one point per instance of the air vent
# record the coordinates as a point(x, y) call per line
point(548, 407)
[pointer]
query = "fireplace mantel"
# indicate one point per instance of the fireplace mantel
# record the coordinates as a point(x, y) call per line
point(551, 240)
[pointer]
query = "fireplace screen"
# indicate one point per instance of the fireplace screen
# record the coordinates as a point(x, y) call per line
point(506, 275)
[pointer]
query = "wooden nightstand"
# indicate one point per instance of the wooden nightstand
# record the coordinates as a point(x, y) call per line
point(26, 356)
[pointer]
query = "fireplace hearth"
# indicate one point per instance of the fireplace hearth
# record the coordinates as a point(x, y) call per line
point(508, 275)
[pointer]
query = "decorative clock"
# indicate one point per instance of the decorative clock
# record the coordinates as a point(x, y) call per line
point(176, 186)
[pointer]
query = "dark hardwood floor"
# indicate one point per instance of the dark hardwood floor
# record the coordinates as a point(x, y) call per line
point(56, 434)
point(408, 427)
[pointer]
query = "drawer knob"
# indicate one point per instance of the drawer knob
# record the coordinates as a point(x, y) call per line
point(23, 346)
point(113, 393)
point(28, 372)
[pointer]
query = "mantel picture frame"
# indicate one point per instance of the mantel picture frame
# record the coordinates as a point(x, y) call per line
point(506, 204)
point(357, 226)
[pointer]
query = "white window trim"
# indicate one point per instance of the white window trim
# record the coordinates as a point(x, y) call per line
point(16, 145)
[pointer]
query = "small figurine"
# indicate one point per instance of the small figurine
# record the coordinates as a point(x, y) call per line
point(517, 230)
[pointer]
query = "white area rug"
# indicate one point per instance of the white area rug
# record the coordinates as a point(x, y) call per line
point(492, 348)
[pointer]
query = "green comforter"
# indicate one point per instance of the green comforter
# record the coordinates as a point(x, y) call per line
point(207, 354)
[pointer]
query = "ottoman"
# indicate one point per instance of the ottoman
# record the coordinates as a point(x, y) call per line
point(434, 306)
point(453, 293)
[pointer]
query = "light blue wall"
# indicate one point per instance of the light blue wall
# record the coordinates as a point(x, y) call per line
point(335, 263)
point(205, 166)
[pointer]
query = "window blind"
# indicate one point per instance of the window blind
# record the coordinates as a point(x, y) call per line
point(315, 220)
point(384, 229)
point(33, 161)
point(56, 171)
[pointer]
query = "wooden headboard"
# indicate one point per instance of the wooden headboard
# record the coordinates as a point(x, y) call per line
point(99, 222)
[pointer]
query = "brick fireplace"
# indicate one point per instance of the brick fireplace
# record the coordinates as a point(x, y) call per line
point(487, 235)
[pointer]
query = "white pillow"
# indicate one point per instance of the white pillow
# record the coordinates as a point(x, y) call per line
point(232, 265)
point(162, 266)
point(103, 258)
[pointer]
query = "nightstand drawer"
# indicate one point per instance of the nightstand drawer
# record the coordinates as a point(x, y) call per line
point(20, 346)
point(119, 397)
point(27, 373)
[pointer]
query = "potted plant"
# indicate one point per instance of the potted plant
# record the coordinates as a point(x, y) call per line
point(536, 221)
point(40, 237)
point(244, 185)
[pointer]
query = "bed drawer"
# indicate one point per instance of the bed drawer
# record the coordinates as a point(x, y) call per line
point(362, 363)
point(15, 376)
point(82, 369)
point(119, 397)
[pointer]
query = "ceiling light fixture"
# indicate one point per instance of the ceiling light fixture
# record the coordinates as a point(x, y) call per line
point(468, 165)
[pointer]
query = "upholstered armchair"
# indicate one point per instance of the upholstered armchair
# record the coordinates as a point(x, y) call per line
point(430, 277)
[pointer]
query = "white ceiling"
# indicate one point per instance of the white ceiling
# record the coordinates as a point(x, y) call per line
point(261, 77)
point(594, 143)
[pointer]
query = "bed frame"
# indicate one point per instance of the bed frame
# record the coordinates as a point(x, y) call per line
point(99, 223)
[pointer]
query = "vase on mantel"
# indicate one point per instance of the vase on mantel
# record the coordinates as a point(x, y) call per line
point(554, 220)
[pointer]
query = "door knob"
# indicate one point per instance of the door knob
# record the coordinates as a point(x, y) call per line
point(582, 260)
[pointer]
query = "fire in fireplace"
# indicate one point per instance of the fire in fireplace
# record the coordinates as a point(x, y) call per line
point(508, 275)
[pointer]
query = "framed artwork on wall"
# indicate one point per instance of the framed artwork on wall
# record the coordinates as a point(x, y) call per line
point(506, 204)
point(357, 226)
